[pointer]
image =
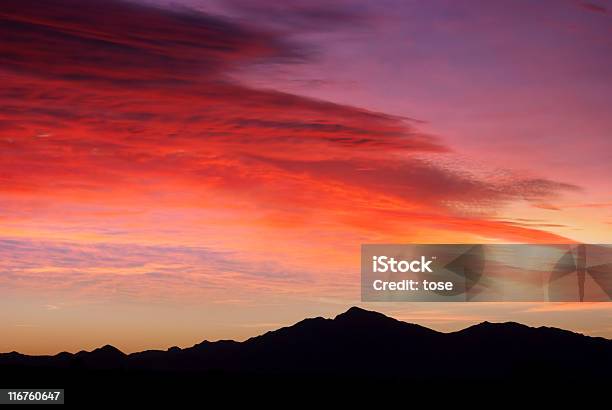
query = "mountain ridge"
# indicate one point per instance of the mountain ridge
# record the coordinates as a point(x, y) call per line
point(349, 314)
point(354, 343)
point(358, 355)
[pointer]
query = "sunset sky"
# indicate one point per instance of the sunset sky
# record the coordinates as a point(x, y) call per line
point(173, 171)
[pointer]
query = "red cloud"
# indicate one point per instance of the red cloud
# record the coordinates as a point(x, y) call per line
point(109, 102)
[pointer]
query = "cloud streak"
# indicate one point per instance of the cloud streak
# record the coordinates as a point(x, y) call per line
point(138, 272)
point(125, 124)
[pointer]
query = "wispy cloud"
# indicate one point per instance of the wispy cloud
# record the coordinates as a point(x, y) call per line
point(75, 270)
point(597, 8)
point(569, 307)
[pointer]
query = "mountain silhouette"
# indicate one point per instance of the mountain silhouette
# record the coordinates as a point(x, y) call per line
point(355, 346)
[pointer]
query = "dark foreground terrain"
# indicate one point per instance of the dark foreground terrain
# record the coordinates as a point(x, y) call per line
point(358, 353)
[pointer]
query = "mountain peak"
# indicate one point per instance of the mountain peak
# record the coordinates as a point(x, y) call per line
point(487, 327)
point(108, 350)
point(510, 324)
point(357, 313)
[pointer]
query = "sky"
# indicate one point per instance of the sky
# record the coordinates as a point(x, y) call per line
point(173, 171)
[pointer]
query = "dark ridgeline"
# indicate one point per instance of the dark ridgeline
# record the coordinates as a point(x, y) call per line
point(354, 348)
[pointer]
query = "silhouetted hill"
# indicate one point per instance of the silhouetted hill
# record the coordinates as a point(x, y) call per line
point(356, 346)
